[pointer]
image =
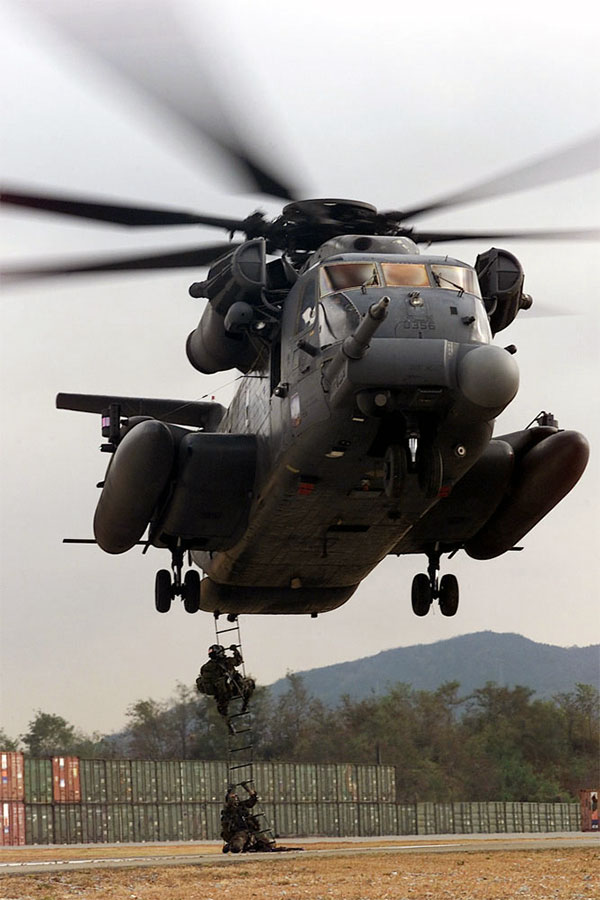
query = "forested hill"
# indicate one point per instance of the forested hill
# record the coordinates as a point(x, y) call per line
point(471, 659)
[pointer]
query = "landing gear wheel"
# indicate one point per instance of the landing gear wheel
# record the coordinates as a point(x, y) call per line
point(430, 470)
point(421, 595)
point(191, 591)
point(448, 595)
point(394, 471)
point(163, 592)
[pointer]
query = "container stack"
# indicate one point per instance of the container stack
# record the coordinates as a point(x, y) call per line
point(66, 800)
point(12, 798)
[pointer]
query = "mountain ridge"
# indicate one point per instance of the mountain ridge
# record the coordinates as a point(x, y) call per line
point(472, 659)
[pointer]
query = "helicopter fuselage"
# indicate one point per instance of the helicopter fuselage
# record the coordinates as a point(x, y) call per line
point(361, 428)
point(322, 513)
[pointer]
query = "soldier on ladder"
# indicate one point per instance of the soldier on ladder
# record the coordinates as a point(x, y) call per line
point(218, 678)
point(240, 829)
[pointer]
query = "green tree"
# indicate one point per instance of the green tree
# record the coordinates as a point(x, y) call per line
point(6, 743)
point(520, 742)
point(50, 735)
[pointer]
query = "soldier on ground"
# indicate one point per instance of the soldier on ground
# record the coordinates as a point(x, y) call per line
point(219, 679)
point(239, 827)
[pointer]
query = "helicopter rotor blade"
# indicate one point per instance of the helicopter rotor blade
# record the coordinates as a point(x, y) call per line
point(573, 234)
point(177, 259)
point(581, 158)
point(144, 43)
point(116, 213)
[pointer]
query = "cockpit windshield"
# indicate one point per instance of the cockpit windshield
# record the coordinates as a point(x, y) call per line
point(456, 278)
point(344, 276)
point(409, 274)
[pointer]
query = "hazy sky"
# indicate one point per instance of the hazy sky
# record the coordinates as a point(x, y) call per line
point(389, 103)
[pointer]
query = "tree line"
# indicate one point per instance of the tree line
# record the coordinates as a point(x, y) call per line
point(498, 743)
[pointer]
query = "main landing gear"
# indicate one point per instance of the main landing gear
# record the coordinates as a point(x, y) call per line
point(167, 588)
point(427, 588)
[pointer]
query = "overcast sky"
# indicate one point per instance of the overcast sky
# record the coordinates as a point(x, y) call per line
point(388, 103)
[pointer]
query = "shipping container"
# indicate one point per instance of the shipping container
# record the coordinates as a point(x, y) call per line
point(425, 818)
point(286, 822)
point(531, 817)
point(39, 823)
point(368, 819)
point(443, 818)
point(347, 783)
point(328, 820)
point(306, 818)
point(388, 819)
point(547, 817)
point(93, 780)
point(65, 779)
point(263, 781)
point(119, 817)
point(574, 816)
point(193, 822)
point(144, 781)
point(13, 823)
point(145, 821)
point(168, 781)
point(213, 821)
point(475, 818)
point(366, 777)
point(38, 781)
point(306, 781)
point(498, 811)
point(94, 823)
point(407, 818)
point(284, 782)
point(170, 822)
point(12, 776)
point(327, 782)
point(68, 826)
point(192, 781)
point(509, 816)
point(386, 784)
point(119, 788)
point(484, 817)
point(216, 781)
point(348, 818)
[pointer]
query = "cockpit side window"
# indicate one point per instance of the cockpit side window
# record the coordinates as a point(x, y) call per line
point(338, 318)
point(345, 276)
point(307, 308)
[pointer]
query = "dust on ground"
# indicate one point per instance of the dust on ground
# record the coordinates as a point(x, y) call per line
point(566, 874)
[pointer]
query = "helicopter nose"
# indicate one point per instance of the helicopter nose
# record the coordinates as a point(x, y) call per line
point(488, 376)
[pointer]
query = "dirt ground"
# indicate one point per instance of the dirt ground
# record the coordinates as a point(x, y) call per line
point(566, 874)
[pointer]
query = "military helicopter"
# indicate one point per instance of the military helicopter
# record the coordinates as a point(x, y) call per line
point(363, 424)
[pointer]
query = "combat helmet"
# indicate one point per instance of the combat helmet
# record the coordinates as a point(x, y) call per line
point(215, 651)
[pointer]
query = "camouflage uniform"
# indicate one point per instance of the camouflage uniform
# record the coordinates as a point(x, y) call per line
point(219, 679)
point(239, 828)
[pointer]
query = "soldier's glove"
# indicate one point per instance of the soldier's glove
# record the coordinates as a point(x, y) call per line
point(233, 646)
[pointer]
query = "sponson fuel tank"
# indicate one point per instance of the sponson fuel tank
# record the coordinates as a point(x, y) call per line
point(548, 464)
point(194, 489)
point(137, 476)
